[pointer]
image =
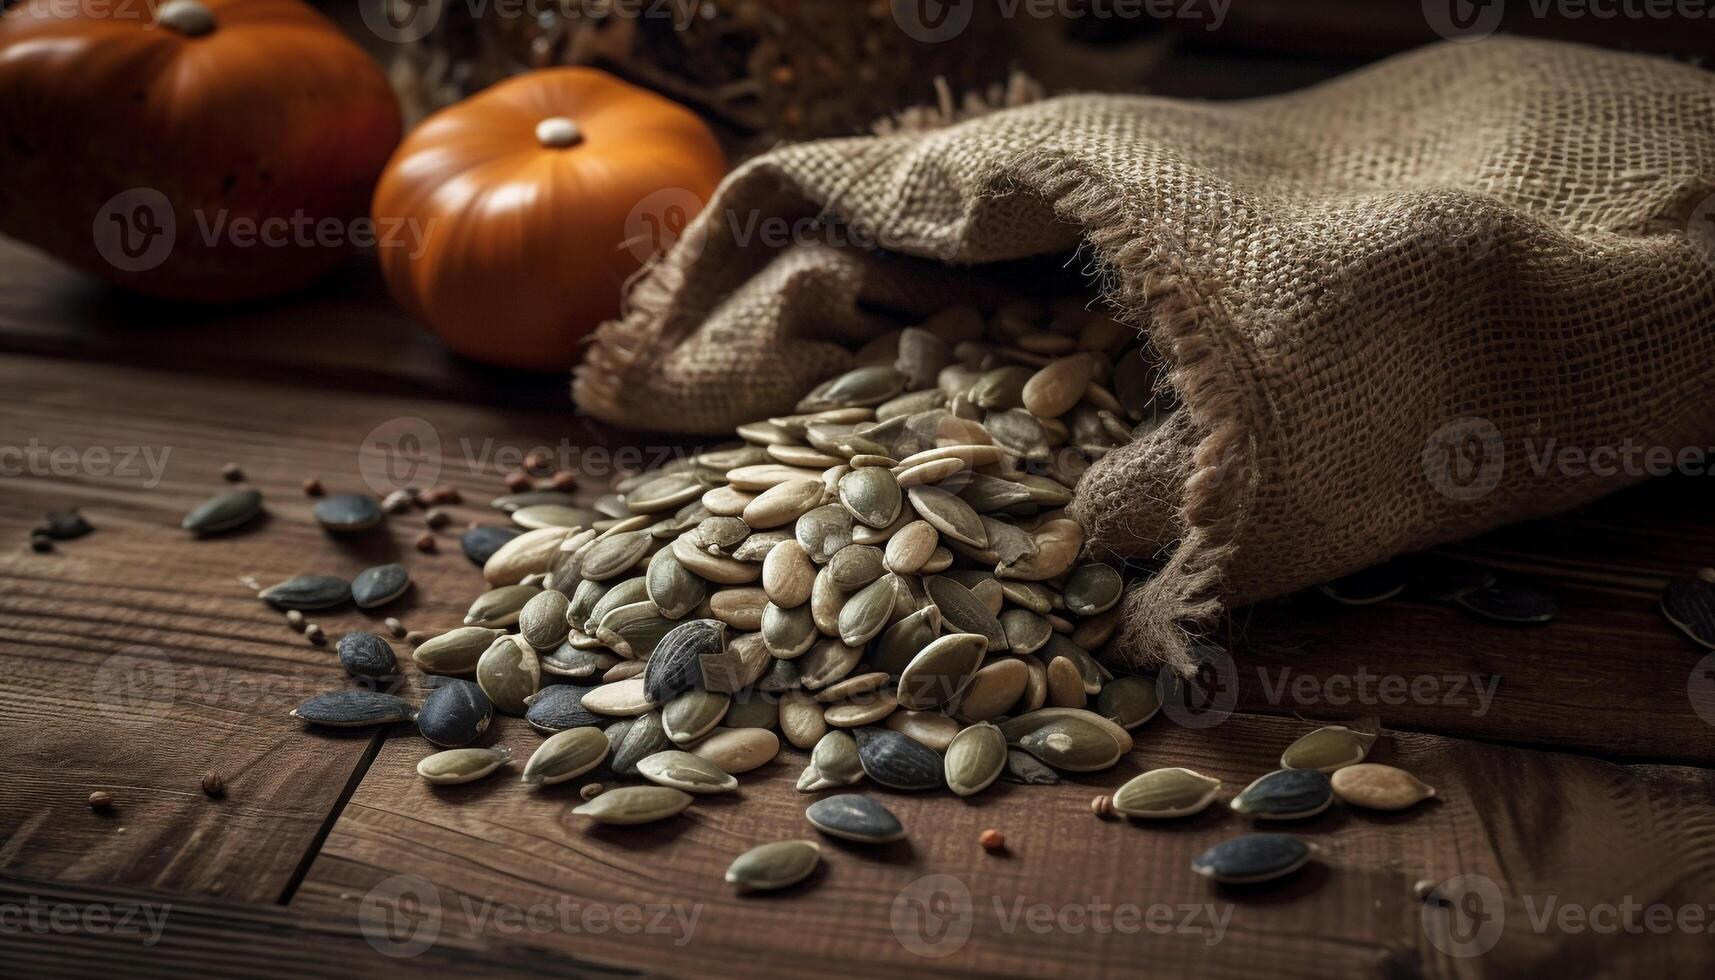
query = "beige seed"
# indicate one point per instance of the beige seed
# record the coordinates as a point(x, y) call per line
point(455, 766)
point(1065, 685)
point(801, 719)
point(788, 574)
point(739, 608)
point(1379, 787)
point(526, 554)
point(686, 772)
point(910, 548)
point(1057, 388)
point(993, 690)
point(624, 699)
point(932, 728)
point(738, 750)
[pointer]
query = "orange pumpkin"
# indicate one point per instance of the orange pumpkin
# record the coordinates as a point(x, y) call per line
point(206, 150)
point(526, 207)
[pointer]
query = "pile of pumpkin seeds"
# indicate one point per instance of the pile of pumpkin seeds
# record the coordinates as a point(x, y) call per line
point(886, 578)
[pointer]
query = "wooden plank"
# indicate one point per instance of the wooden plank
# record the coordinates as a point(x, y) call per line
point(1609, 676)
point(136, 660)
point(1073, 895)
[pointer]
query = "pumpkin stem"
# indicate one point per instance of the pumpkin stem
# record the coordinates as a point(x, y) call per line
point(188, 17)
point(558, 132)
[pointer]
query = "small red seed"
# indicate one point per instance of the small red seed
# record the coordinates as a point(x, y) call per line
point(437, 518)
point(312, 487)
point(539, 463)
point(212, 785)
point(231, 473)
point(1102, 806)
point(564, 482)
point(426, 544)
point(991, 839)
point(100, 800)
point(518, 482)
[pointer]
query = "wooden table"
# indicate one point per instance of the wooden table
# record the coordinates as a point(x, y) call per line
point(1572, 760)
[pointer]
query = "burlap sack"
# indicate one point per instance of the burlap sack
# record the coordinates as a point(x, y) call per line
point(1380, 298)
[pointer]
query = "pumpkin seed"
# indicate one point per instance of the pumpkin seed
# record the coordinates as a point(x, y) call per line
point(633, 631)
point(508, 672)
point(741, 608)
point(694, 713)
point(607, 599)
point(621, 699)
point(454, 766)
point(850, 816)
point(828, 661)
point(577, 664)
point(855, 566)
point(993, 690)
point(1017, 727)
point(1252, 859)
point(975, 759)
point(1072, 744)
point(1371, 585)
point(927, 472)
point(526, 554)
point(354, 709)
point(512, 502)
point(801, 720)
point(1001, 389)
point(756, 547)
point(611, 557)
point(903, 640)
point(663, 493)
point(949, 515)
point(676, 664)
point(500, 607)
point(963, 612)
point(346, 513)
point(826, 601)
point(824, 531)
point(872, 495)
point(631, 805)
point(753, 709)
point(1057, 388)
point(1689, 604)
point(379, 585)
point(1024, 768)
point(1379, 787)
point(1166, 793)
point(864, 386)
point(1286, 794)
point(754, 479)
point(1026, 632)
point(456, 651)
point(479, 543)
point(1130, 701)
point(910, 548)
point(454, 714)
point(565, 755)
point(788, 632)
point(1509, 604)
point(1328, 749)
point(896, 761)
point(782, 675)
point(542, 621)
point(715, 568)
point(687, 772)
point(784, 503)
point(941, 670)
point(787, 575)
point(737, 750)
point(559, 707)
point(223, 512)
point(672, 587)
point(1092, 588)
point(367, 655)
point(771, 867)
point(307, 592)
point(1065, 685)
point(553, 515)
point(864, 709)
point(866, 613)
point(636, 739)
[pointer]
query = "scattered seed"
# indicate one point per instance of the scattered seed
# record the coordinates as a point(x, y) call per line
point(631, 805)
point(1286, 794)
point(307, 592)
point(992, 840)
point(853, 817)
point(312, 487)
point(687, 772)
point(1328, 749)
point(64, 525)
point(347, 513)
point(770, 867)
point(455, 714)
point(393, 626)
point(1379, 787)
point(1509, 604)
point(365, 654)
point(1165, 794)
point(1252, 859)
point(354, 709)
point(213, 786)
point(379, 585)
point(566, 755)
point(223, 512)
point(314, 634)
point(100, 800)
point(231, 473)
point(454, 766)
point(426, 543)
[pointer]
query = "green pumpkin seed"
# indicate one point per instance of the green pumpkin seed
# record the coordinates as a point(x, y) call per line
point(542, 621)
point(663, 493)
point(866, 613)
point(693, 714)
point(1017, 727)
point(770, 867)
point(752, 709)
point(508, 672)
point(941, 670)
point(455, 651)
point(500, 607)
point(1073, 745)
point(223, 512)
point(536, 516)
point(454, 766)
point(1001, 389)
point(1166, 793)
point(788, 632)
point(632, 805)
point(903, 640)
point(855, 566)
point(862, 387)
point(1092, 588)
point(975, 759)
point(513, 502)
point(872, 495)
point(1026, 632)
point(635, 739)
point(610, 557)
point(1328, 749)
point(672, 587)
point(1379, 787)
point(687, 772)
point(829, 660)
point(1130, 701)
point(963, 612)
point(949, 515)
point(824, 531)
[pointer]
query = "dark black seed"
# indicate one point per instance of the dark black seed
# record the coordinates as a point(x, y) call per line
point(367, 655)
point(455, 713)
point(676, 665)
point(223, 512)
point(354, 709)
point(558, 707)
point(41, 543)
point(1509, 604)
point(896, 760)
point(343, 513)
point(1689, 603)
point(1286, 794)
point(379, 585)
point(1374, 584)
point(307, 592)
point(1252, 858)
point(64, 525)
point(481, 542)
point(856, 818)
point(1449, 582)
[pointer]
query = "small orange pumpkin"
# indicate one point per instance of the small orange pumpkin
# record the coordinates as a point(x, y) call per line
point(526, 207)
point(207, 150)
